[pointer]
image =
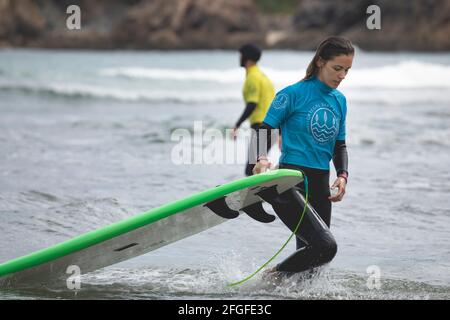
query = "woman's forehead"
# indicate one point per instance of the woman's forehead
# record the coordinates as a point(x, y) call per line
point(342, 60)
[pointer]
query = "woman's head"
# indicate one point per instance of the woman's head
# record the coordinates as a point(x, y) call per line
point(333, 59)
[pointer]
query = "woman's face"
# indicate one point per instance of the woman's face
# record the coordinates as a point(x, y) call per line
point(333, 71)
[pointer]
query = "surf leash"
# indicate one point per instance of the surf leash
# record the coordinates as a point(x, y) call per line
point(305, 183)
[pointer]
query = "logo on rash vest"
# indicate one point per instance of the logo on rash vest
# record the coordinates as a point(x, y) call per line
point(323, 123)
point(280, 101)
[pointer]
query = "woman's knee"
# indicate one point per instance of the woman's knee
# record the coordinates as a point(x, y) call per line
point(328, 250)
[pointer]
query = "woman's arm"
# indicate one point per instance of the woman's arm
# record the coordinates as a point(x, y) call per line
point(262, 163)
point(340, 160)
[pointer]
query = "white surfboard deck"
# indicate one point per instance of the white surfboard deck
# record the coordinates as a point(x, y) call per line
point(141, 240)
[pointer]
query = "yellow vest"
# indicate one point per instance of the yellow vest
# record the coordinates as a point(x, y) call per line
point(260, 90)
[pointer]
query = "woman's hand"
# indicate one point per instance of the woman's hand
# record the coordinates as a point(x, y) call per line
point(339, 183)
point(261, 166)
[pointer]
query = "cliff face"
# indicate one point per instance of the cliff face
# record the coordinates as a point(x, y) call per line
point(189, 24)
point(206, 24)
point(405, 25)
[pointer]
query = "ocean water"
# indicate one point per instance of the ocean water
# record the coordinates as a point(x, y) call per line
point(87, 139)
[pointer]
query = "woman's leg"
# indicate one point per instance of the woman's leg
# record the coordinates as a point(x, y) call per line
point(315, 243)
point(318, 190)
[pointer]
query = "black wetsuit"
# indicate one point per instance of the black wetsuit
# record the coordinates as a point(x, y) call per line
point(315, 243)
point(254, 147)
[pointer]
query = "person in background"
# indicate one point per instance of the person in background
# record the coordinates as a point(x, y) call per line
point(258, 92)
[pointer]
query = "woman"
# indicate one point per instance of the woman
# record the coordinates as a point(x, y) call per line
point(311, 115)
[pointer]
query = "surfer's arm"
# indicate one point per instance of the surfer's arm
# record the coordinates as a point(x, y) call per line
point(261, 139)
point(262, 163)
point(247, 112)
point(340, 159)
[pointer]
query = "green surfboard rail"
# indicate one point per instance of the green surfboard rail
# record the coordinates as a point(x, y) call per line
point(116, 229)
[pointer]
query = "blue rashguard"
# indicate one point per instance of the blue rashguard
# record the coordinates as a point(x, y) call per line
point(311, 116)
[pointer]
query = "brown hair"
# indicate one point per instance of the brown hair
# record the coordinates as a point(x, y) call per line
point(328, 49)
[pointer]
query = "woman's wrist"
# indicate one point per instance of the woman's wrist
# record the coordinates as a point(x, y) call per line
point(262, 157)
point(344, 175)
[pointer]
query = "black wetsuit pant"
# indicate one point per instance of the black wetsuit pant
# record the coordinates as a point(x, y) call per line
point(315, 243)
point(254, 149)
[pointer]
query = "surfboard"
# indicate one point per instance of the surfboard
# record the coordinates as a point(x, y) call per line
point(147, 231)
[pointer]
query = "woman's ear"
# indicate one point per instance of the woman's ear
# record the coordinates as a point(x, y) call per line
point(320, 62)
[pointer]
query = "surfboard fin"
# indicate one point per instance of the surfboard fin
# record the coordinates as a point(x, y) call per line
point(257, 212)
point(268, 194)
point(220, 207)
